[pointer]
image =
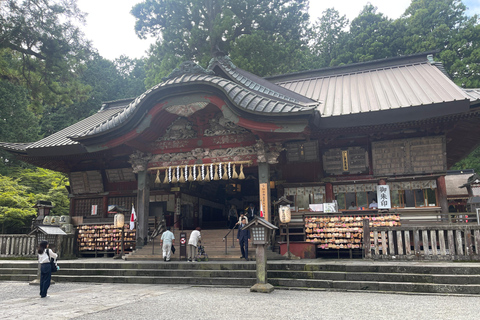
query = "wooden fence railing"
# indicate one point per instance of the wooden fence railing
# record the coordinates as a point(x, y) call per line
point(21, 245)
point(439, 242)
point(17, 245)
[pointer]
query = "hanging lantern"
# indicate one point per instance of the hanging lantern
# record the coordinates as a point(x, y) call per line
point(234, 174)
point(241, 175)
point(166, 177)
point(157, 179)
point(119, 220)
point(284, 214)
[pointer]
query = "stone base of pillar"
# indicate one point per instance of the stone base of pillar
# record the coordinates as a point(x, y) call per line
point(262, 287)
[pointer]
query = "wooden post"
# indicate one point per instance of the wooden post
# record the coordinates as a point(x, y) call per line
point(399, 242)
point(441, 240)
point(408, 243)
point(329, 196)
point(366, 239)
point(264, 189)
point(416, 243)
point(451, 242)
point(143, 203)
point(442, 194)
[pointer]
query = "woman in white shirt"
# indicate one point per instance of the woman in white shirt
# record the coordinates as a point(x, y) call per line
point(44, 255)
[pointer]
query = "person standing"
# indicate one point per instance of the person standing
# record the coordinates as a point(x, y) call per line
point(243, 237)
point(44, 256)
point(232, 217)
point(193, 241)
point(168, 239)
point(251, 211)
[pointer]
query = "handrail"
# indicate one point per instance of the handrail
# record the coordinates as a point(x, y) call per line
point(233, 238)
point(229, 232)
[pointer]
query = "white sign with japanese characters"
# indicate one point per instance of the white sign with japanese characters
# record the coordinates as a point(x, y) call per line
point(383, 194)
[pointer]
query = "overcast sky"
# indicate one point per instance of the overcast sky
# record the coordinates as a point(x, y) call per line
point(111, 26)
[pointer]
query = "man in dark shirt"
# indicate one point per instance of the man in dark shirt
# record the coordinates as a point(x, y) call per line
point(243, 237)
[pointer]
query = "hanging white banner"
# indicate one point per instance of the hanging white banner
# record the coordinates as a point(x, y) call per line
point(383, 194)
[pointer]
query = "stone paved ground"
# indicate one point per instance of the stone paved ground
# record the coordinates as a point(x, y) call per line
point(135, 301)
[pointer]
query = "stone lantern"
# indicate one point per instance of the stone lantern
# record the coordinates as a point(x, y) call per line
point(260, 233)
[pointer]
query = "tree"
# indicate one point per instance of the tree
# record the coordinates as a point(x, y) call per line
point(371, 37)
point(328, 32)
point(106, 81)
point(16, 212)
point(17, 122)
point(47, 49)
point(197, 29)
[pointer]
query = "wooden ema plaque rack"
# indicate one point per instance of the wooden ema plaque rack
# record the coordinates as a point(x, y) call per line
point(104, 239)
point(340, 231)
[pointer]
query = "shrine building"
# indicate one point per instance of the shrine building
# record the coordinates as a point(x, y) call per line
point(205, 139)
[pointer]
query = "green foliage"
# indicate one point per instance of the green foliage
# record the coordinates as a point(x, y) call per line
point(46, 49)
point(16, 203)
point(197, 29)
point(17, 123)
point(470, 162)
point(18, 196)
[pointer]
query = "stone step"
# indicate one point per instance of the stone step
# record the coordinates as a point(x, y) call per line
point(286, 274)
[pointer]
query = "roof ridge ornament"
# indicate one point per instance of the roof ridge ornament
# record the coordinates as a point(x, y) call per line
point(187, 67)
point(223, 60)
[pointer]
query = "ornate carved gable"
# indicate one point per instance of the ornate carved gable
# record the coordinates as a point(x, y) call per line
point(180, 129)
point(219, 126)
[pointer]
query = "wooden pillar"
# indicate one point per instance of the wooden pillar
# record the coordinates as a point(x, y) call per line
point(105, 207)
point(143, 204)
point(442, 194)
point(72, 207)
point(329, 196)
point(264, 189)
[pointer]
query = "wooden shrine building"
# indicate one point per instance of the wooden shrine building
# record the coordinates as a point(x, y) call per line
point(207, 138)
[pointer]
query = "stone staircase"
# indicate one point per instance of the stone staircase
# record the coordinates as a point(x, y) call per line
point(212, 240)
point(346, 275)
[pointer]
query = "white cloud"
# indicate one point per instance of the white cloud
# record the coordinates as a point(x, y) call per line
point(111, 28)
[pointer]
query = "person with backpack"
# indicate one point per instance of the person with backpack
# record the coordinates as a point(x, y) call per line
point(44, 256)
